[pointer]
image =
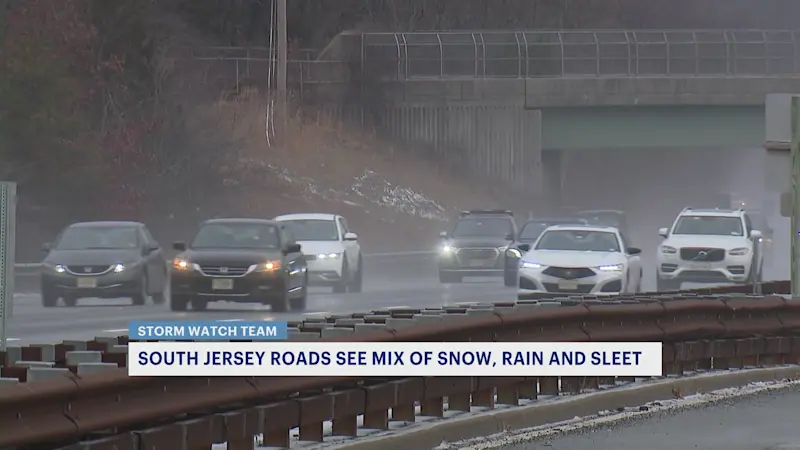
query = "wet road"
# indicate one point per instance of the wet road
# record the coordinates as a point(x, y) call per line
point(410, 281)
point(763, 422)
point(389, 281)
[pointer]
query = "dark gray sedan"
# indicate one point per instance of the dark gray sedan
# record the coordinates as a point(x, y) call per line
point(103, 260)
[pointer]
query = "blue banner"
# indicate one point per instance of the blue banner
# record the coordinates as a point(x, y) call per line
point(207, 330)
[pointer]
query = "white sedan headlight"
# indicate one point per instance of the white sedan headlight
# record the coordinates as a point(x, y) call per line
point(739, 251)
point(668, 250)
point(611, 268)
point(447, 249)
point(326, 256)
point(530, 265)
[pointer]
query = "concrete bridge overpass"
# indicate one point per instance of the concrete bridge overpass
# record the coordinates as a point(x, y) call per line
point(625, 88)
point(537, 105)
point(629, 86)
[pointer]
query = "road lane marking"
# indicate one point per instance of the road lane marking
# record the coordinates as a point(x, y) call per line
point(116, 330)
point(12, 339)
point(231, 320)
point(323, 313)
point(398, 307)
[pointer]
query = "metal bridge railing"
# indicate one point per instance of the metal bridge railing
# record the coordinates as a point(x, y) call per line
point(532, 54)
point(258, 63)
point(520, 54)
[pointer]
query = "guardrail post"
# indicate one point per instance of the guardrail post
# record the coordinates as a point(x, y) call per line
point(548, 385)
point(279, 419)
point(529, 389)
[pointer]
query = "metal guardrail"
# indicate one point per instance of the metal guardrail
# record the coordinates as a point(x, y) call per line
point(699, 333)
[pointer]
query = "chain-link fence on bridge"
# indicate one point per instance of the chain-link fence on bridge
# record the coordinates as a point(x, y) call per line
point(353, 57)
point(529, 54)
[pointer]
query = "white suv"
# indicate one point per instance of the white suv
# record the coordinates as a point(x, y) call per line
point(709, 246)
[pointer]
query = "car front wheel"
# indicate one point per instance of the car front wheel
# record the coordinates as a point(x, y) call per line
point(299, 303)
point(178, 303)
point(49, 298)
point(358, 278)
point(140, 297)
point(510, 278)
point(341, 285)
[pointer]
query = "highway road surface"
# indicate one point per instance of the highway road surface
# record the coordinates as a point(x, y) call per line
point(389, 281)
point(765, 421)
point(401, 281)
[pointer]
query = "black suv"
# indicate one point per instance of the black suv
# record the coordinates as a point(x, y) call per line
point(103, 260)
point(240, 260)
point(606, 218)
point(528, 234)
point(476, 245)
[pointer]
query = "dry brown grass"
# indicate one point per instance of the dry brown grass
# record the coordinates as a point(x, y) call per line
point(332, 155)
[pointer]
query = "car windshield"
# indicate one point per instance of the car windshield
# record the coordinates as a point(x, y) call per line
point(98, 237)
point(483, 227)
point(532, 230)
point(602, 218)
point(578, 240)
point(709, 225)
point(313, 230)
point(237, 235)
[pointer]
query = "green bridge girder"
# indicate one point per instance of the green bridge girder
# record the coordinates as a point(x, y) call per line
point(638, 127)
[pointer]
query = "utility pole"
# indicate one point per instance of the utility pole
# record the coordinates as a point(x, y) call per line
point(282, 56)
point(8, 218)
point(795, 237)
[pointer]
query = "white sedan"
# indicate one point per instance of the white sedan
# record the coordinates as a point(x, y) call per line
point(331, 250)
point(580, 259)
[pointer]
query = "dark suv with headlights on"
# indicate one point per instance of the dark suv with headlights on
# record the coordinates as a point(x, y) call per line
point(605, 218)
point(476, 245)
point(240, 260)
point(528, 234)
point(103, 260)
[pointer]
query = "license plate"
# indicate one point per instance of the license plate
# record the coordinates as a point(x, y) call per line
point(568, 285)
point(87, 282)
point(701, 265)
point(222, 284)
point(479, 263)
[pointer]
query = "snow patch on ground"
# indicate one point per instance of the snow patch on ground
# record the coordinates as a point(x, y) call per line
point(377, 189)
point(368, 188)
point(604, 418)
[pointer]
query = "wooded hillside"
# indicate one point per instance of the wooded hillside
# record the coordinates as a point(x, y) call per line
point(95, 121)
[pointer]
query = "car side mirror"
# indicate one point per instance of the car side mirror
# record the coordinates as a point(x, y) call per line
point(524, 247)
point(510, 237)
point(292, 248)
point(349, 237)
point(179, 246)
point(443, 235)
point(755, 234)
point(634, 251)
point(46, 247)
point(663, 232)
